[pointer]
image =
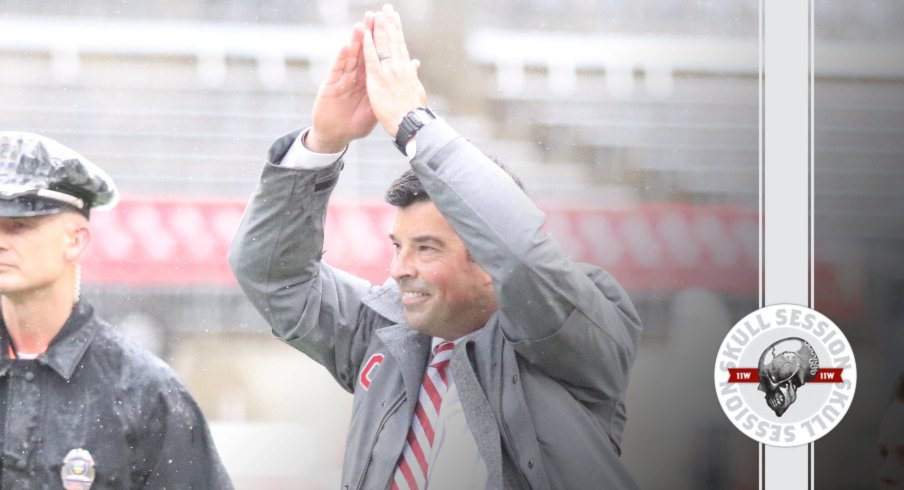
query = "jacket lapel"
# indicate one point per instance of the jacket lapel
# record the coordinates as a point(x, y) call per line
point(478, 413)
point(410, 349)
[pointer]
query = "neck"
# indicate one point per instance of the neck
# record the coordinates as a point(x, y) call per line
point(34, 318)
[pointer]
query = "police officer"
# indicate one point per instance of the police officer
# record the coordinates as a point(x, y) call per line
point(80, 406)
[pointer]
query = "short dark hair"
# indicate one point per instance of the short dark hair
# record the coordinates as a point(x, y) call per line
point(407, 189)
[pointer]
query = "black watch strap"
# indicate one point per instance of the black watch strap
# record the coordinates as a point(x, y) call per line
point(410, 125)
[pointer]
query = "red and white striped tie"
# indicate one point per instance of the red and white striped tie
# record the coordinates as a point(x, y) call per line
point(411, 472)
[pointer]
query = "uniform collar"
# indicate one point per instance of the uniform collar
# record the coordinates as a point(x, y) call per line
point(66, 349)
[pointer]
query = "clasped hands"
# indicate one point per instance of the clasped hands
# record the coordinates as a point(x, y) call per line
point(373, 79)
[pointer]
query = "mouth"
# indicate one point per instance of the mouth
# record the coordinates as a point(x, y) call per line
point(411, 298)
point(775, 401)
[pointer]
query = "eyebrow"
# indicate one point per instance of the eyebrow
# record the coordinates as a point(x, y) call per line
point(421, 239)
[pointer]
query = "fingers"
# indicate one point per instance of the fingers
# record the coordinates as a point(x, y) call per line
point(381, 37)
point(388, 37)
point(396, 35)
point(371, 60)
point(368, 27)
point(339, 66)
point(392, 36)
point(355, 48)
point(349, 56)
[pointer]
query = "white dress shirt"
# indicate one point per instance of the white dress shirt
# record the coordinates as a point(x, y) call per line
point(455, 461)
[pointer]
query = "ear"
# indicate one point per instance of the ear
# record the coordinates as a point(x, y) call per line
point(77, 239)
point(485, 278)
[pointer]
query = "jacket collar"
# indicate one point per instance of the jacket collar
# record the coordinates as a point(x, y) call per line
point(410, 348)
point(387, 301)
point(66, 349)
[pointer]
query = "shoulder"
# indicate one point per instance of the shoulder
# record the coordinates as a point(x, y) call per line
point(141, 381)
point(125, 361)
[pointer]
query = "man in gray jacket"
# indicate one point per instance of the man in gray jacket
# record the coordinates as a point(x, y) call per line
point(538, 348)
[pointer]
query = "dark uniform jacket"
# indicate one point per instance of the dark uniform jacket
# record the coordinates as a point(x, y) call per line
point(97, 391)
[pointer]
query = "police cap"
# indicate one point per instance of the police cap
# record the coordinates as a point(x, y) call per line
point(40, 176)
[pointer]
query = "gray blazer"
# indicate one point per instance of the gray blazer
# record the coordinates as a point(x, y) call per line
point(542, 384)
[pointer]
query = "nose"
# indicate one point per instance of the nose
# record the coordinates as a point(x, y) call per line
point(402, 266)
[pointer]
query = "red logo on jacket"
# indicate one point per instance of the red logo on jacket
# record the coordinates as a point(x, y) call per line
point(370, 367)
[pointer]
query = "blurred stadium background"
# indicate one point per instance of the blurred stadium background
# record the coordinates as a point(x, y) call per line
point(633, 123)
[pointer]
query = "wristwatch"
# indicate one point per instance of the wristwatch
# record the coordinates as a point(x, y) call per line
point(410, 125)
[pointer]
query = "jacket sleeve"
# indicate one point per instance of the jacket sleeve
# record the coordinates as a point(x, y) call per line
point(276, 258)
point(573, 321)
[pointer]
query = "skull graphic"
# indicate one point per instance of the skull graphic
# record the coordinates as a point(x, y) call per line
point(784, 367)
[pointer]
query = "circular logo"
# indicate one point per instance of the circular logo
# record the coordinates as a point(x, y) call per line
point(785, 375)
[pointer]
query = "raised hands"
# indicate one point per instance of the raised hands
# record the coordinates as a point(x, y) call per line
point(342, 109)
point(392, 82)
point(372, 79)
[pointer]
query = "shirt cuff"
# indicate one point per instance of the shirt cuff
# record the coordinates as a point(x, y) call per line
point(411, 149)
point(300, 157)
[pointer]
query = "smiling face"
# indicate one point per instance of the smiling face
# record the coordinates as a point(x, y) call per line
point(891, 447)
point(444, 292)
point(37, 252)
